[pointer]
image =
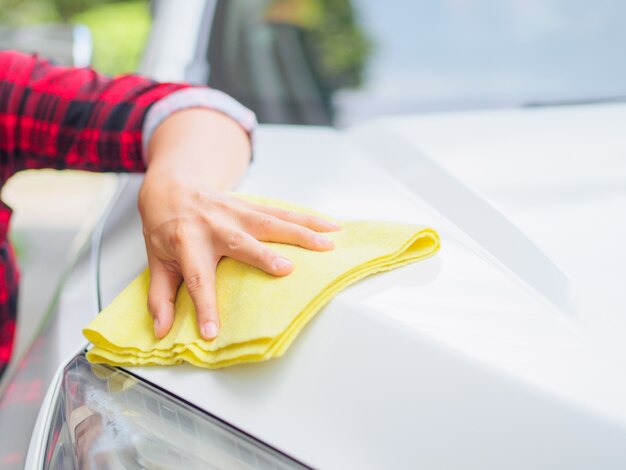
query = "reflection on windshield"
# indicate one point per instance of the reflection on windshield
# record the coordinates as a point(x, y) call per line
point(342, 61)
point(456, 54)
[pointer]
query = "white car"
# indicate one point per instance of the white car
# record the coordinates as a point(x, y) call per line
point(505, 350)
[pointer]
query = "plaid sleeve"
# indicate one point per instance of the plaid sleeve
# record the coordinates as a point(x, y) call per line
point(61, 117)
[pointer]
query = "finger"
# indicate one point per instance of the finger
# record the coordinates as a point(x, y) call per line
point(161, 296)
point(271, 229)
point(310, 221)
point(247, 249)
point(199, 276)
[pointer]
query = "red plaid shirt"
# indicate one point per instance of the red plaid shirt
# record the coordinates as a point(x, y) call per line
point(58, 117)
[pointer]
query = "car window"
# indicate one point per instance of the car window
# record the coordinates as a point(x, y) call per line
point(341, 61)
point(267, 63)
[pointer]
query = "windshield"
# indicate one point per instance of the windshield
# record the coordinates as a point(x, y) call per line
point(339, 62)
point(456, 54)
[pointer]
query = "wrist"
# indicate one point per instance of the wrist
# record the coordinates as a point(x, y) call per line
point(199, 146)
point(193, 128)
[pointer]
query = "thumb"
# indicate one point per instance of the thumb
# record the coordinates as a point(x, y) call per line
point(162, 295)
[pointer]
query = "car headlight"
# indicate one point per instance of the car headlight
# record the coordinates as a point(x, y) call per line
point(106, 418)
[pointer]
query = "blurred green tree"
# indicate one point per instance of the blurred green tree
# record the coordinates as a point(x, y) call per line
point(27, 12)
point(343, 45)
point(68, 8)
point(335, 37)
point(119, 34)
point(119, 27)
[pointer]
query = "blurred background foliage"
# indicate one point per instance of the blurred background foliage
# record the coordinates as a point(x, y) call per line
point(119, 27)
point(344, 45)
point(119, 33)
point(334, 35)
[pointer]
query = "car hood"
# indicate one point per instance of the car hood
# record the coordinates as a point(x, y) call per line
point(508, 339)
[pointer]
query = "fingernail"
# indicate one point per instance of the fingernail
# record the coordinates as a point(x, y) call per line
point(324, 242)
point(156, 327)
point(280, 263)
point(209, 330)
point(332, 224)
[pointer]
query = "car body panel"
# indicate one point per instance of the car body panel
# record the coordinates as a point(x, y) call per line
point(454, 349)
point(551, 171)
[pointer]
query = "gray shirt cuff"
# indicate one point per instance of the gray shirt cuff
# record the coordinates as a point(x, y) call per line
point(197, 98)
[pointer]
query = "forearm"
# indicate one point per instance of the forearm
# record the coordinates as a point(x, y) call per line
point(63, 117)
point(199, 147)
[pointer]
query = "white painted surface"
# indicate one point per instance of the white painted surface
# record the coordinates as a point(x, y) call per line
point(559, 174)
point(452, 362)
point(448, 363)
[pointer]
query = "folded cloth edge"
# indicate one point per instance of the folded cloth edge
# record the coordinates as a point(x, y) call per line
point(105, 352)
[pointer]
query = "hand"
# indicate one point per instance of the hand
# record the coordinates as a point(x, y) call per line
point(189, 225)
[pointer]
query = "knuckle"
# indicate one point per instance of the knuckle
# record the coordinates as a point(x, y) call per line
point(153, 240)
point(205, 311)
point(179, 235)
point(220, 204)
point(266, 223)
point(284, 214)
point(214, 212)
point(196, 196)
point(235, 241)
point(264, 255)
point(259, 254)
point(311, 220)
point(195, 282)
point(207, 219)
point(307, 235)
point(204, 314)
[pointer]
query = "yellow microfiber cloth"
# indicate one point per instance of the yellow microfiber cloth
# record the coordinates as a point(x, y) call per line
point(260, 314)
